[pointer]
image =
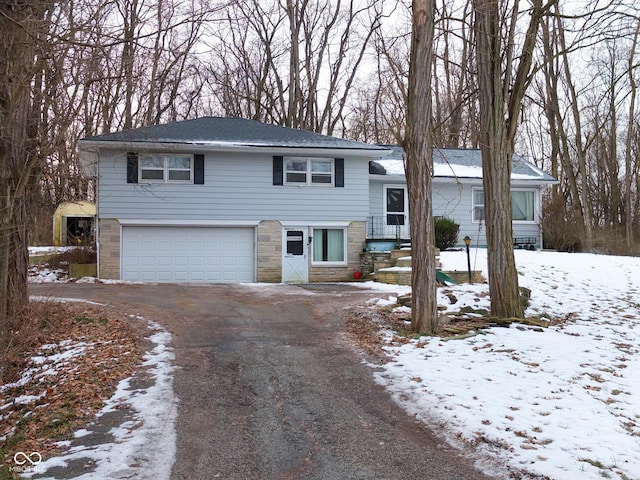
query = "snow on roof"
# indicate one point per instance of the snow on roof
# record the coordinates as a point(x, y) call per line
point(461, 163)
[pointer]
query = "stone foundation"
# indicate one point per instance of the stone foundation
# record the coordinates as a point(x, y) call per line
point(109, 249)
point(269, 251)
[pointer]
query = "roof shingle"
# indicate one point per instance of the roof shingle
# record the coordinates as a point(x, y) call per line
point(239, 132)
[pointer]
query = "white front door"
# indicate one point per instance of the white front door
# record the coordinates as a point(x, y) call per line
point(396, 211)
point(295, 251)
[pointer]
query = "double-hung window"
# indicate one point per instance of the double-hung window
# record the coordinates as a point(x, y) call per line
point(308, 171)
point(167, 168)
point(478, 205)
point(329, 246)
point(523, 205)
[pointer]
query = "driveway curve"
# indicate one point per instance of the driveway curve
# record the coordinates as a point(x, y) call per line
point(269, 387)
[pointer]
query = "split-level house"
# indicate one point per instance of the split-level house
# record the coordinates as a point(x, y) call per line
point(233, 200)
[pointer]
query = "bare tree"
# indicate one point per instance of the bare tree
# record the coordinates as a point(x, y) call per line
point(419, 165)
point(293, 63)
point(631, 69)
point(454, 84)
point(20, 29)
point(501, 90)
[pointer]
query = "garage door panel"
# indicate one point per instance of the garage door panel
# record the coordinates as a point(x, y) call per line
point(188, 254)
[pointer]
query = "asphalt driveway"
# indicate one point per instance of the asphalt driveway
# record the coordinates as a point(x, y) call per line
point(270, 387)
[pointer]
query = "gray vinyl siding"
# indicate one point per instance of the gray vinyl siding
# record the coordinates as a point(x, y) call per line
point(376, 193)
point(237, 187)
point(453, 199)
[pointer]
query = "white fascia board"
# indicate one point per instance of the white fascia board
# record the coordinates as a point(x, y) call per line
point(186, 223)
point(305, 223)
point(95, 146)
point(387, 178)
point(522, 183)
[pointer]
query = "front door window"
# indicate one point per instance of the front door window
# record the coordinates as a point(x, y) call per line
point(396, 212)
point(395, 206)
point(295, 242)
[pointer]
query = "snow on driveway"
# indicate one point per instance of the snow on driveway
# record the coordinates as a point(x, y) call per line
point(562, 403)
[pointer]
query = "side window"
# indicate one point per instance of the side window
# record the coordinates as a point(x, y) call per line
point(523, 205)
point(478, 204)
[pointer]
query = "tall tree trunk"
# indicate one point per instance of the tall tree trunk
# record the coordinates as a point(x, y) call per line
point(500, 99)
point(17, 35)
point(295, 12)
point(580, 149)
point(496, 163)
point(424, 312)
point(629, 142)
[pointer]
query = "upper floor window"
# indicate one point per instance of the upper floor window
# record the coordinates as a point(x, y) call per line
point(166, 168)
point(523, 205)
point(308, 171)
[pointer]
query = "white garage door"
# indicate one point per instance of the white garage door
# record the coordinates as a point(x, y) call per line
point(188, 254)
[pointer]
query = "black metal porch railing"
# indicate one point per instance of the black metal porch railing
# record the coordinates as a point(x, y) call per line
point(382, 227)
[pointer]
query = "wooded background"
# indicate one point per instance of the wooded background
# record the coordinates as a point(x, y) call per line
point(339, 68)
point(555, 81)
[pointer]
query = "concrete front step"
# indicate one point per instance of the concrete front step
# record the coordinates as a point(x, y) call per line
point(396, 270)
point(394, 275)
point(403, 262)
point(402, 276)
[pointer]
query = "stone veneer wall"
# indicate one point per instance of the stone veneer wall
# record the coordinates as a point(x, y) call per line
point(109, 249)
point(356, 235)
point(269, 251)
point(370, 262)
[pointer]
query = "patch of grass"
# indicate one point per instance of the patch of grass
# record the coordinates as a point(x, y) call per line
point(90, 320)
point(62, 422)
point(595, 463)
point(5, 474)
point(73, 255)
point(76, 388)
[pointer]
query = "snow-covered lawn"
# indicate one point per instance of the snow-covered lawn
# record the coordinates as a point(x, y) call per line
point(563, 402)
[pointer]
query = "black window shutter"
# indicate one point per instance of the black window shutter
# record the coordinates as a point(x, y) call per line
point(278, 171)
point(198, 169)
point(132, 167)
point(339, 166)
